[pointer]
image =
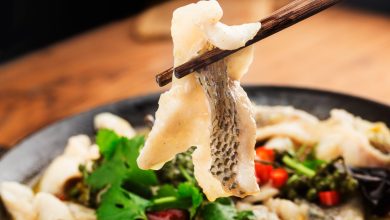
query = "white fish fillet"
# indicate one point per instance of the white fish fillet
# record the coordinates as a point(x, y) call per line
point(18, 199)
point(184, 115)
point(353, 138)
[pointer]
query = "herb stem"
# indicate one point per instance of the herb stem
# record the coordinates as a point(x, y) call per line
point(298, 166)
point(164, 200)
point(185, 174)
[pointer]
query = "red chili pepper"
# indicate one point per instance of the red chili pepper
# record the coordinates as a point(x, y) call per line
point(279, 177)
point(169, 214)
point(329, 198)
point(265, 154)
point(263, 172)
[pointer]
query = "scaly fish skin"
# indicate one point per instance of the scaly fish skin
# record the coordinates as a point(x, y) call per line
point(224, 119)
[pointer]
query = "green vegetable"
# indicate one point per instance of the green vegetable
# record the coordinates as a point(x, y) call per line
point(313, 164)
point(119, 163)
point(122, 184)
point(178, 170)
point(223, 209)
point(297, 166)
point(186, 196)
point(126, 190)
point(119, 204)
point(245, 215)
point(311, 194)
point(311, 175)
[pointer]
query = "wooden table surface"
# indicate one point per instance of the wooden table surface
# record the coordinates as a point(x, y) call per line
point(340, 49)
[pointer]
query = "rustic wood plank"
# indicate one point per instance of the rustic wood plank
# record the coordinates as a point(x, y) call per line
point(339, 49)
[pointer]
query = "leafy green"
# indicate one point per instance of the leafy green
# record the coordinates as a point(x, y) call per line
point(245, 215)
point(126, 191)
point(313, 164)
point(297, 166)
point(188, 190)
point(125, 187)
point(186, 196)
point(179, 169)
point(107, 141)
point(223, 209)
point(166, 191)
point(117, 177)
point(119, 204)
point(119, 163)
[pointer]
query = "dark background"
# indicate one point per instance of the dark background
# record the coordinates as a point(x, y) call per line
point(26, 25)
point(30, 24)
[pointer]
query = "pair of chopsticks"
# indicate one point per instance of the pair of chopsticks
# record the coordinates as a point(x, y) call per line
point(288, 15)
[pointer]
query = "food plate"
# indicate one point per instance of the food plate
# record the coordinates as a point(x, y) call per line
point(29, 157)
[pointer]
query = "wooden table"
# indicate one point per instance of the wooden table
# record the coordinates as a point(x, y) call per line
point(339, 49)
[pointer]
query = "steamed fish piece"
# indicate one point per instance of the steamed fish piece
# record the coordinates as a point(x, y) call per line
point(287, 210)
point(298, 132)
point(355, 139)
point(78, 152)
point(22, 204)
point(286, 125)
point(350, 210)
point(49, 207)
point(267, 192)
point(271, 115)
point(232, 128)
point(80, 212)
point(113, 122)
point(280, 144)
point(260, 211)
point(18, 199)
point(189, 113)
point(377, 133)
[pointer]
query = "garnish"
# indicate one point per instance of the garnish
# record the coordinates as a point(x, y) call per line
point(223, 209)
point(123, 191)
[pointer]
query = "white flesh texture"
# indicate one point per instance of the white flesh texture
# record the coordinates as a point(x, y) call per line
point(66, 166)
point(113, 122)
point(361, 143)
point(184, 115)
point(18, 199)
point(284, 122)
point(49, 207)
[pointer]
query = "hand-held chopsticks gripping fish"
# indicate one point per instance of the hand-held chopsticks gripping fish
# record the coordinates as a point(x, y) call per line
point(209, 109)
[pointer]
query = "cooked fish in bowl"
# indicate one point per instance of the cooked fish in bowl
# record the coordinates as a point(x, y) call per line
point(210, 153)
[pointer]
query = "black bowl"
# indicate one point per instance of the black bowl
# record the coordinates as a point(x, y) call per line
point(35, 152)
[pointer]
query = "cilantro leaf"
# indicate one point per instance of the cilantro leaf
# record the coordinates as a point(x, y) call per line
point(186, 196)
point(119, 204)
point(119, 163)
point(166, 191)
point(118, 173)
point(223, 209)
point(220, 209)
point(189, 190)
point(107, 141)
point(109, 173)
point(127, 185)
point(245, 215)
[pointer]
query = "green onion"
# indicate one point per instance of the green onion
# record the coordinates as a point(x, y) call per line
point(298, 166)
point(185, 174)
point(164, 200)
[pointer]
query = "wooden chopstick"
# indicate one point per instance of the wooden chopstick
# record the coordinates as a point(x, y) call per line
point(286, 16)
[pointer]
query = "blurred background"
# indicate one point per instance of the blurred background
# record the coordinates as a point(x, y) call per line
point(61, 57)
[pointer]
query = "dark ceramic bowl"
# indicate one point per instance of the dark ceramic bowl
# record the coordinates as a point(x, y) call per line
point(33, 154)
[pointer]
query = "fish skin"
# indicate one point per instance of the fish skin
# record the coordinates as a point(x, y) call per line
point(225, 128)
point(183, 115)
